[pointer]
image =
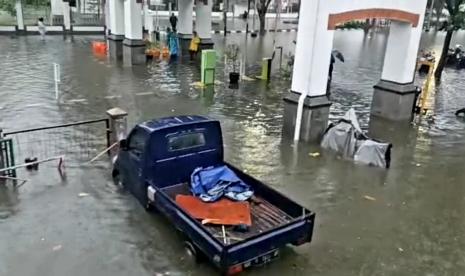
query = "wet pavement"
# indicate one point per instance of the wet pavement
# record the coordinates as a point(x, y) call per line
point(414, 227)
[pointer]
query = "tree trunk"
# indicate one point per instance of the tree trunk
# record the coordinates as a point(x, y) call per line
point(445, 51)
point(262, 18)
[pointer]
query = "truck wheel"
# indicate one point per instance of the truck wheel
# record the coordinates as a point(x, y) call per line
point(192, 253)
point(117, 180)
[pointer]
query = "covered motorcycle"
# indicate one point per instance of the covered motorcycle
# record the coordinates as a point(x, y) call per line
point(347, 138)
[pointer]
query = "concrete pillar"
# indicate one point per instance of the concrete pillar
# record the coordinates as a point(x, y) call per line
point(394, 95)
point(118, 126)
point(107, 16)
point(19, 15)
point(134, 46)
point(185, 23)
point(310, 76)
point(66, 16)
point(203, 23)
point(185, 17)
point(116, 37)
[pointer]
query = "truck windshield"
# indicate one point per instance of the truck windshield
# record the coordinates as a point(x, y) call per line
point(186, 141)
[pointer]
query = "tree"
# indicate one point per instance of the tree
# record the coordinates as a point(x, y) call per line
point(262, 8)
point(8, 6)
point(455, 22)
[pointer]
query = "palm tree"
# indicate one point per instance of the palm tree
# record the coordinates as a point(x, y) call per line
point(455, 22)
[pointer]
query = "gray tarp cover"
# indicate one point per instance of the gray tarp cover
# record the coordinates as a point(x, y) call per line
point(348, 139)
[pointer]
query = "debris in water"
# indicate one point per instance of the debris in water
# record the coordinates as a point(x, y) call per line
point(367, 197)
point(83, 194)
point(418, 165)
point(400, 249)
point(56, 247)
point(314, 154)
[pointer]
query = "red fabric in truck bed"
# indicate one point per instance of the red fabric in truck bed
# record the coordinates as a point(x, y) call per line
point(222, 212)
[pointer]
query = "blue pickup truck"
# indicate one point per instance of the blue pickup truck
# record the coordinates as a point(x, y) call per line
point(155, 164)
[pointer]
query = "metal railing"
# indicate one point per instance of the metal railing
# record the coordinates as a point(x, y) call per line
point(78, 141)
point(7, 158)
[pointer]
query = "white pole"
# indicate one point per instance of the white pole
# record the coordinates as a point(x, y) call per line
point(56, 70)
point(241, 73)
point(298, 119)
point(300, 107)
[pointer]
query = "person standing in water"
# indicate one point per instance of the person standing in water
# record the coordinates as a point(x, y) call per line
point(172, 41)
point(41, 27)
point(194, 46)
point(173, 21)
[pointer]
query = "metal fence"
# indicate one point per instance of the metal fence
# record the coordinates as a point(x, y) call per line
point(7, 158)
point(87, 19)
point(78, 142)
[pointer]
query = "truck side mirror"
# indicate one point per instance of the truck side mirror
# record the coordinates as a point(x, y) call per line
point(123, 144)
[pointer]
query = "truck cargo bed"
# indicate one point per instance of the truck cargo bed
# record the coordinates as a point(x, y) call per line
point(265, 217)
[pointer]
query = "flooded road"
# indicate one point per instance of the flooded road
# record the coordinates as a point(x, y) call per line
point(414, 227)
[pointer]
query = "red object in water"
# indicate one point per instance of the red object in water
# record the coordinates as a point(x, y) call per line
point(222, 212)
point(99, 47)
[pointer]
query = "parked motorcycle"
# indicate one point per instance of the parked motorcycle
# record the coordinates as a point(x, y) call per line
point(456, 57)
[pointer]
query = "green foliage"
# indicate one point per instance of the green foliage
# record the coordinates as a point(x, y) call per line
point(35, 3)
point(456, 11)
point(8, 6)
point(353, 25)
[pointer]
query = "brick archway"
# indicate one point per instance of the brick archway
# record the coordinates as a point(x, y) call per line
point(398, 15)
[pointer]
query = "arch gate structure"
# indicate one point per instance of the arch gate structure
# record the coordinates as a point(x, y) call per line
point(306, 108)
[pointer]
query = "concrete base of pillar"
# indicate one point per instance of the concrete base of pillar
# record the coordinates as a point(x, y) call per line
point(314, 117)
point(115, 46)
point(184, 43)
point(393, 101)
point(133, 52)
point(206, 44)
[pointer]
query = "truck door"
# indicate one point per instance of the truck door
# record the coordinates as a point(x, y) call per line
point(134, 167)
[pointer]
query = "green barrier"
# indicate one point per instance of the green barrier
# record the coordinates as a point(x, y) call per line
point(266, 69)
point(208, 67)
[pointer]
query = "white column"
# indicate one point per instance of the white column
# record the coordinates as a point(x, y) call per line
point(66, 16)
point(106, 13)
point(116, 17)
point(185, 18)
point(133, 20)
point(203, 19)
point(56, 7)
point(312, 56)
point(19, 14)
point(146, 18)
point(401, 52)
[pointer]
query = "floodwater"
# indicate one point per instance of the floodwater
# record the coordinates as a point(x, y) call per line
point(414, 227)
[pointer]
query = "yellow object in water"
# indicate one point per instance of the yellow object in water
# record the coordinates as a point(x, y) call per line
point(194, 46)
